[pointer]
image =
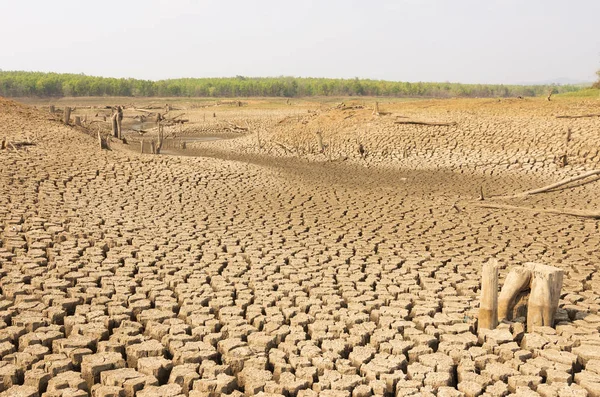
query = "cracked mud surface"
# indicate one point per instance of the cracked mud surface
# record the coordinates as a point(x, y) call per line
point(242, 273)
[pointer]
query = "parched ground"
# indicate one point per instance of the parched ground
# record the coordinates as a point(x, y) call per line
point(281, 270)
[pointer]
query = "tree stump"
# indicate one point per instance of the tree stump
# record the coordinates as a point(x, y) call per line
point(99, 140)
point(67, 115)
point(52, 109)
point(142, 146)
point(488, 307)
point(516, 281)
point(78, 121)
point(3, 144)
point(376, 109)
point(320, 141)
point(545, 292)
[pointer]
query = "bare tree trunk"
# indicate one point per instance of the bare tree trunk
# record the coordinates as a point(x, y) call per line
point(488, 306)
point(67, 115)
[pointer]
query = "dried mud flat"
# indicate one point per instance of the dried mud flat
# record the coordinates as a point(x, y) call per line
point(285, 274)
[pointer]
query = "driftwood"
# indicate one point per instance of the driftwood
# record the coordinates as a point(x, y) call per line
point(580, 116)
point(235, 128)
point(554, 185)
point(570, 212)
point(439, 124)
point(488, 308)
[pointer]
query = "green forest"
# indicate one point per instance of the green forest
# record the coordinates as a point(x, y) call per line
point(28, 84)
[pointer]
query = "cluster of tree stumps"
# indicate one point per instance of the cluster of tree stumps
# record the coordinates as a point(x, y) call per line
point(530, 291)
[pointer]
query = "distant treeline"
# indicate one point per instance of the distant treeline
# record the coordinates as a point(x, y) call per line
point(24, 84)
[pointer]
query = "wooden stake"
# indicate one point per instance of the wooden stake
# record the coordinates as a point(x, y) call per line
point(67, 115)
point(563, 158)
point(545, 292)
point(376, 109)
point(488, 307)
point(516, 282)
point(320, 141)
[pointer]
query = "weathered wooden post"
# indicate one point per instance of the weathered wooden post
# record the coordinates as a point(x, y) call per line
point(545, 293)
point(320, 141)
point(563, 159)
point(376, 109)
point(488, 306)
point(516, 282)
point(67, 115)
point(116, 119)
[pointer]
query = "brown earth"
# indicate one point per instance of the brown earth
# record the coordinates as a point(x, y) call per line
point(277, 269)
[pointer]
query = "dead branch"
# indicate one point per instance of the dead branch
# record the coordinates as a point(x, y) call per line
point(580, 116)
point(427, 123)
point(570, 212)
point(281, 145)
point(554, 185)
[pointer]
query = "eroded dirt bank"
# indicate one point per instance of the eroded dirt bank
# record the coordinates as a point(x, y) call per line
point(129, 274)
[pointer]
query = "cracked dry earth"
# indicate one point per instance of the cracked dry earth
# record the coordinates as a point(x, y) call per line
point(126, 274)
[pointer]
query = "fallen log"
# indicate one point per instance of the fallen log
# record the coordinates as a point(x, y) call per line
point(580, 116)
point(427, 123)
point(553, 186)
point(570, 212)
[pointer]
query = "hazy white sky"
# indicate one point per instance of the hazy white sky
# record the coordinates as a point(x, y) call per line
point(470, 41)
